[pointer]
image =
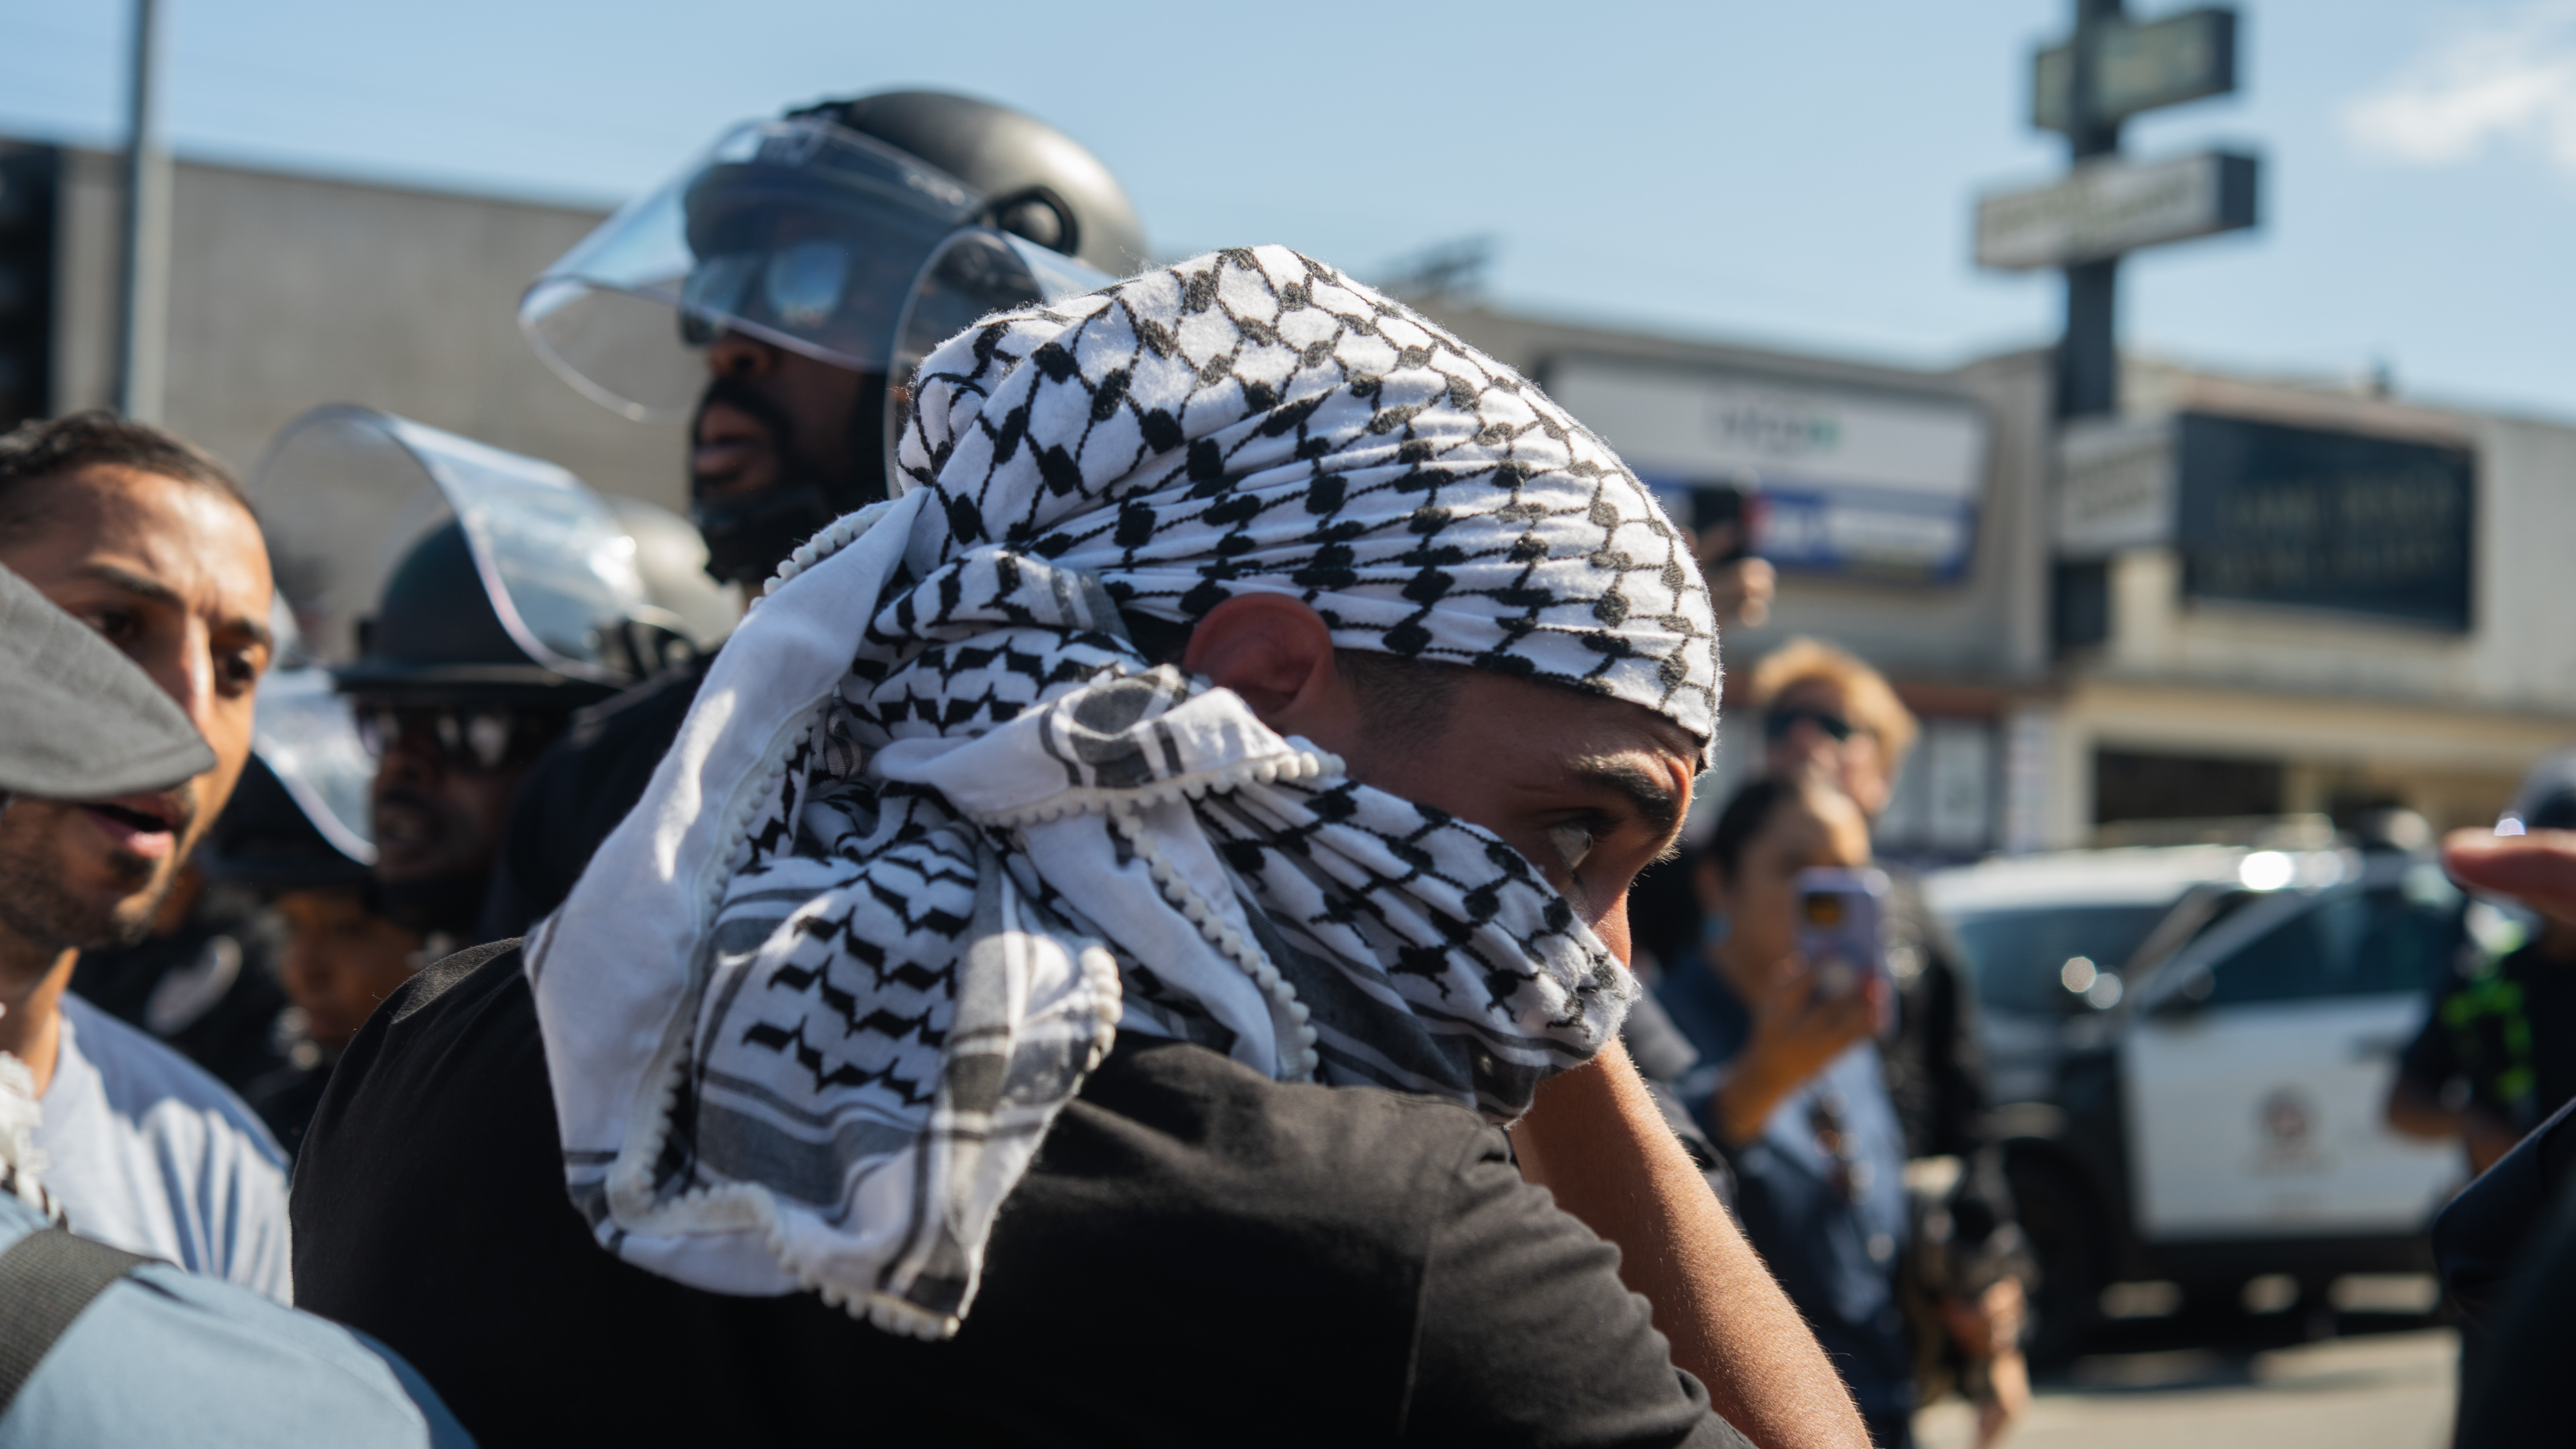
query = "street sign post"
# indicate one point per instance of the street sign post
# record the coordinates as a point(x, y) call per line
point(2110, 69)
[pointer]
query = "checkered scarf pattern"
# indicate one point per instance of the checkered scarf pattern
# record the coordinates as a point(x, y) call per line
point(936, 831)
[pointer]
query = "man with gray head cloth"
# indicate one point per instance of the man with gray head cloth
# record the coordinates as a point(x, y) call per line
point(104, 1347)
point(79, 721)
point(1253, 692)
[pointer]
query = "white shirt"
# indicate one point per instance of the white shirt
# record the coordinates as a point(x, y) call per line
point(150, 1154)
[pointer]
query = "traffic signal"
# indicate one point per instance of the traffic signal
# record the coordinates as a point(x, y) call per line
point(30, 188)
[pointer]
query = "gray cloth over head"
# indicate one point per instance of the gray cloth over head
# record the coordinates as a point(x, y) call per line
point(78, 720)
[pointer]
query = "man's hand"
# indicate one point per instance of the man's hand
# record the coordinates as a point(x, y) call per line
point(1740, 592)
point(2538, 869)
point(2416, 1112)
point(1798, 1030)
point(1988, 1330)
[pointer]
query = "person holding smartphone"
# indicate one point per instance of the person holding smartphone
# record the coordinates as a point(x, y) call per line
point(1785, 1003)
point(1741, 583)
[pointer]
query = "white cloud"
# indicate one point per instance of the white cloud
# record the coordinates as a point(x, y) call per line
point(2511, 81)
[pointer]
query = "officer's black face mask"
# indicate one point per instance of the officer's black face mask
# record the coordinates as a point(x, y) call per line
point(749, 535)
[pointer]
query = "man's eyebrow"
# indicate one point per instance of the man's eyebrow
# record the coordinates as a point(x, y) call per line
point(142, 585)
point(1649, 794)
point(146, 587)
point(256, 631)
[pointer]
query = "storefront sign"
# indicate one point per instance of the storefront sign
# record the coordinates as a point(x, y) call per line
point(2281, 515)
point(1847, 480)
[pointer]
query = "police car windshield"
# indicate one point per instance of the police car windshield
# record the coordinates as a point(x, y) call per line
point(2018, 957)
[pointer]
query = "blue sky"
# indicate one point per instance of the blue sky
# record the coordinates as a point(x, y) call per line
point(1788, 173)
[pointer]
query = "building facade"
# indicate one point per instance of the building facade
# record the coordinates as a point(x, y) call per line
point(2242, 598)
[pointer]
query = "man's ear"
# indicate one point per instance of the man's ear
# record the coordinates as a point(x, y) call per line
point(1277, 653)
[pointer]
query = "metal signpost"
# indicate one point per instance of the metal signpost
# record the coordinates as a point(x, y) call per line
point(2113, 68)
point(145, 288)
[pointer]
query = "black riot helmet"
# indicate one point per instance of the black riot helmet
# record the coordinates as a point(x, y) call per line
point(1035, 181)
point(432, 571)
point(437, 639)
point(860, 233)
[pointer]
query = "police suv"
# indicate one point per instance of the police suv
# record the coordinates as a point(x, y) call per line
point(2189, 1048)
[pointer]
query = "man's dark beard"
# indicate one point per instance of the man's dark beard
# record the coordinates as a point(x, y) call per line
point(36, 908)
point(449, 900)
point(748, 538)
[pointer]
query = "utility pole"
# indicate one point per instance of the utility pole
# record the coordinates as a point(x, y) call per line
point(2088, 355)
point(144, 290)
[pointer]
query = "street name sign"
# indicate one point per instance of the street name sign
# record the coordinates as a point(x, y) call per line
point(2107, 207)
point(2115, 486)
point(2139, 67)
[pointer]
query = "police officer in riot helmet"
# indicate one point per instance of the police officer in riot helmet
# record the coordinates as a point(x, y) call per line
point(455, 711)
point(790, 254)
point(295, 836)
point(809, 261)
point(467, 600)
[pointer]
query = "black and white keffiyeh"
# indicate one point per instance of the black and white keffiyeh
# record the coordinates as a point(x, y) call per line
point(935, 832)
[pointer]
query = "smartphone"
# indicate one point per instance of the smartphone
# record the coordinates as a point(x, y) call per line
point(1842, 930)
point(1722, 506)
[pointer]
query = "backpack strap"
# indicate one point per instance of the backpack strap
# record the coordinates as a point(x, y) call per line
point(46, 1279)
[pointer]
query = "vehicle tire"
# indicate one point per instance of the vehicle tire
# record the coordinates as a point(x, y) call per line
point(2064, 1227)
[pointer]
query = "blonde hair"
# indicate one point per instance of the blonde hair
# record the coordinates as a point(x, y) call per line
point(1866, 693)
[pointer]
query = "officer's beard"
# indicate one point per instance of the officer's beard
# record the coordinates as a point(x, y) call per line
point(748, 538)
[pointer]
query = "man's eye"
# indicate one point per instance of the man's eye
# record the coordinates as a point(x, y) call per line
point(238, 669)
point(1573, 843)
point(119, 626)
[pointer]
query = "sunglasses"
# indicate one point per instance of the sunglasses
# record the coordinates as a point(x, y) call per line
point(1779, 724)
point(465, 739)
point(798, 288)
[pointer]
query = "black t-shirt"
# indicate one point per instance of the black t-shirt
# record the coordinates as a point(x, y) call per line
point(2506, 1038)
point(2507, 1250)
point(578, 790)
point(1198, 1255)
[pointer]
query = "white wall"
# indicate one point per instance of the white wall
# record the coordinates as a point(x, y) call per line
point(288, 291)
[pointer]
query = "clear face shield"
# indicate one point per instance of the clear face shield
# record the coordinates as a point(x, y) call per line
point(303, 731)
point(347, 495)
point(803, 234)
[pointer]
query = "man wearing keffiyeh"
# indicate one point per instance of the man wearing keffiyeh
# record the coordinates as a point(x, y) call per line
point(1253, 692)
